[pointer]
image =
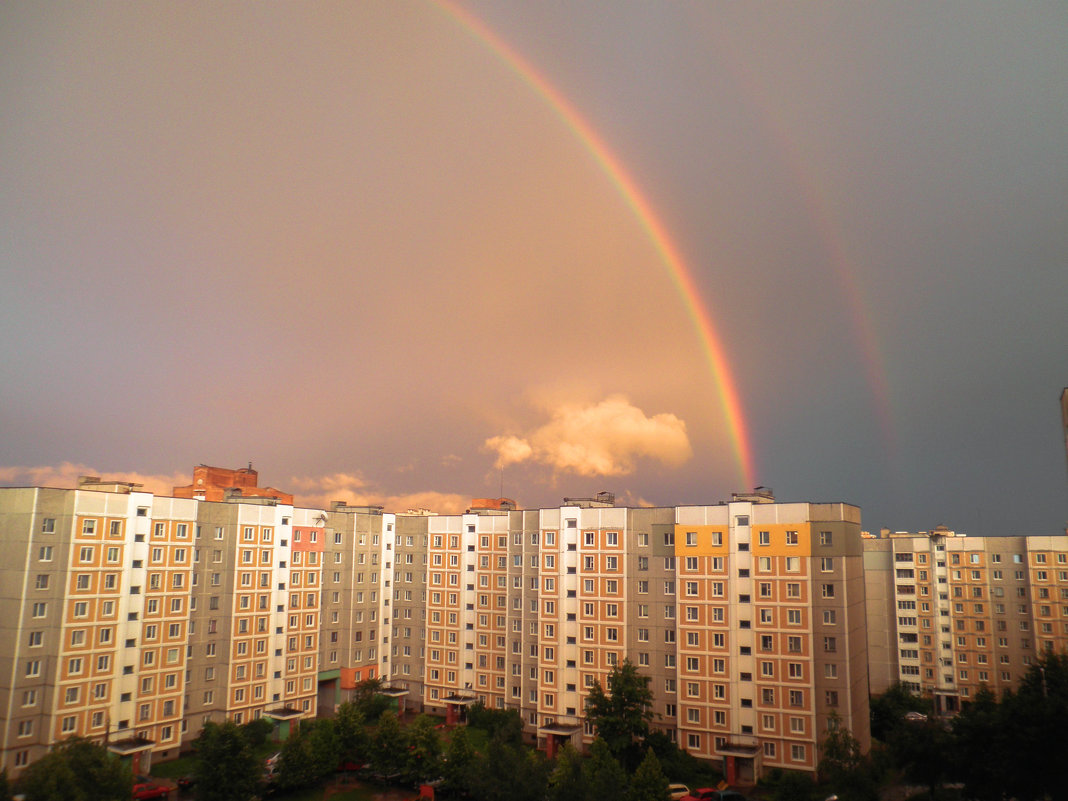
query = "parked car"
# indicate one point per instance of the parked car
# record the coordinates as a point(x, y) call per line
point(712, 794)
point(678, 791)
point(146, 791)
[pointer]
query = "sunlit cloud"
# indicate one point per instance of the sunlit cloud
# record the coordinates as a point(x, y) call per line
point(605, 439)
point(320, 491)
point(66, 474)
point(316, 492)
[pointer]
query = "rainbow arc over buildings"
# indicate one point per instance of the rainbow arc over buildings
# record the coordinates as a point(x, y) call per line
point(711, 342)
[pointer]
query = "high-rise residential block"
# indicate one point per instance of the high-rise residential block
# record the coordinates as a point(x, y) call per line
point(952, 613)
point(134, 619)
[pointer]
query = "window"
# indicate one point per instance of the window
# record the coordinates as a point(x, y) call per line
point(791, 538)
point(764, 538)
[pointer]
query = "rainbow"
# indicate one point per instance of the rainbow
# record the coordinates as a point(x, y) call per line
point(681, 276)
point(828, 233)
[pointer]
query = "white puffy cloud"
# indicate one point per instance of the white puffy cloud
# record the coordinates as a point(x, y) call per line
point(604, 439)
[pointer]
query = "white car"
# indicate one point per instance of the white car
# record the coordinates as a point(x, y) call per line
point(677, 791)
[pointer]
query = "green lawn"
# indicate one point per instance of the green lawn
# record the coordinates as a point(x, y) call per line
point(174, 768)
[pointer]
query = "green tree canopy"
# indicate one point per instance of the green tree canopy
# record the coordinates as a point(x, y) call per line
point(510, 772)
point(351, 727)
point(980, 748)
point(369, 701)
point(388, 746)
point(76, 770)
point(424, 751)
point(227, 768)
point(923, 750)
point(605, 777)
point(648, 782)
point(621, 715)
point(567, 781)
point(843, 766)
point(888, 709)
point(460, 764)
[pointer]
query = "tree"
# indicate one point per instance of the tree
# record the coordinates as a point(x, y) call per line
point(351, 728)
point(605, 777)
point(310, 753)
point(388, 747)
point(369, 701)
point(510, 772)
point(257, 732)
point(922, 749)
point(844, 767)
point(459, 764)
point(504, 723)
point(888, 709)
point(567, 781)
point(981, 752)
point(1035, 722)
point(324, 747)
point(679, 765)
point(649, 782)
point(424, 751)
point(5, 786)
point(792, 785)
point(227, 768)
point(621, 716)
point(295, 765)
point(76, 770)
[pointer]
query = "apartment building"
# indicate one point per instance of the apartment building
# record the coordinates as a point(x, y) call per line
point(256, 598)
point(357, 573)
point(132, 618)
point(135, 618)
point(94, 617)
point(952, 612)
point(771, 631)
point(748, 617)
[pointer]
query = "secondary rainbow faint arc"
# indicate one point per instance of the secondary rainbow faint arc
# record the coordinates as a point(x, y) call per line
point(681, 277)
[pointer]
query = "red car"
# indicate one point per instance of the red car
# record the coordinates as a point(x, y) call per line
point(711, 794)
point(146, 791)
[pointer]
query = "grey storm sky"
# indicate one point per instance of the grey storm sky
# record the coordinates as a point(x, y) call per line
point(353, 244)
